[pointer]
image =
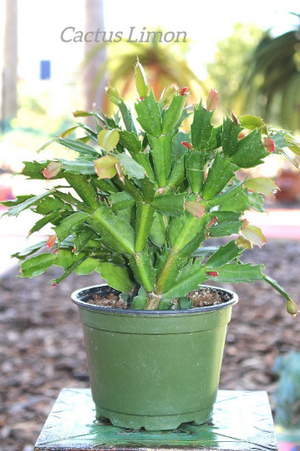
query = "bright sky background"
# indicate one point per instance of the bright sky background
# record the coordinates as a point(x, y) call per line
point(41, 22)
point(206, 22)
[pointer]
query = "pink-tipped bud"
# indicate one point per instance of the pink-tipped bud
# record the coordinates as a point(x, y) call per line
point(185, 91)
point(269, 145)
point(51, 241)
point(212, 273)
point(212, 100)
point(235, 119)
point(52, 169)
point(187, 145)
point(242, 135)
point(54, 285)
point(212, 222)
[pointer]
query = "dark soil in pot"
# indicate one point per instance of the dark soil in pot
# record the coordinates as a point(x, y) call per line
point(200, 298)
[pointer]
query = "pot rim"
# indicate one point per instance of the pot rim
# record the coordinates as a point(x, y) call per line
point(75, 297)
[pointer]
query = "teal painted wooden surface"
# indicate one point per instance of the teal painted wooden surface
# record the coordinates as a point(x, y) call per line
point(241, 421)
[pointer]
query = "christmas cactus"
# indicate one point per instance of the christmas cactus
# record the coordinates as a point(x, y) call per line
point(136, 204)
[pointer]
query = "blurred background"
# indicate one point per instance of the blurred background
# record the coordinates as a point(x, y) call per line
point(58, 56)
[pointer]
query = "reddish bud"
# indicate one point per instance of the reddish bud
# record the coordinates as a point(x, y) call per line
point(269, 145)
point(187, 145)
point(242, 135)
point(212, 100)
point(234, 118)
point(212, 222)
point(184, 91)
point(54, 285)
point(51, 241)
point(212, 273)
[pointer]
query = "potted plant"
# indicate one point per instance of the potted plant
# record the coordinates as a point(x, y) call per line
point(137, 206)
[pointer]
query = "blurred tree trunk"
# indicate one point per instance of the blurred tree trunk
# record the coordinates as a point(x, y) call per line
point(93, 93)
point(9, 97)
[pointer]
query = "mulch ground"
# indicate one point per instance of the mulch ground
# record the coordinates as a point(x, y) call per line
point(41, 344)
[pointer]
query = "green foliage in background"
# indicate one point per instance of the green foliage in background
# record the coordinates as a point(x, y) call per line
point(230, 65)
point(272, 85)
point(165, 64)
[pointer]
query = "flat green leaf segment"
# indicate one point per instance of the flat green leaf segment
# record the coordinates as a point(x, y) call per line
point(78, 146)
point(192, 276)
point(29, 202)
point(237, 425)
point(188, 280)
point(249, 151)
point(201, 128)
point(143, 192)
point(149, 115)
point(224, 254)
point(130, 167)
point(238, 272)
point(115, 233)
point(37, 265)
point(116, 276)
point(70, 224)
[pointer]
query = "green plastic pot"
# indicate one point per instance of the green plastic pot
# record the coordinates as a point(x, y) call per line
point(153, 369)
